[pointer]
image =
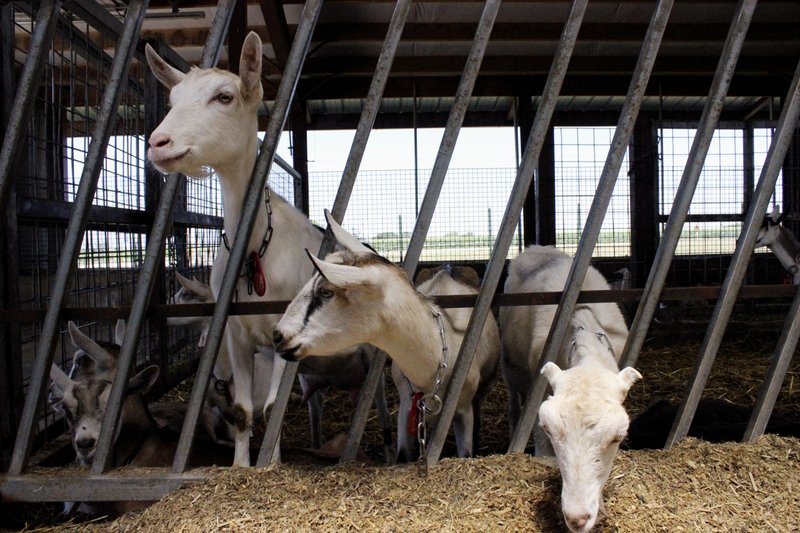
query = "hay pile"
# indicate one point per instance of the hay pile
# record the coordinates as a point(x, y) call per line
point(694, 487)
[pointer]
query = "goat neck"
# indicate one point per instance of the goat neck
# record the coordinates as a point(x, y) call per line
point(234, 178)
point(411, 337)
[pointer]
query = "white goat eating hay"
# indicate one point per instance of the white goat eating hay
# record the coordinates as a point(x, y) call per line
point(584, 419)
point(213, 124)
point(360, 297)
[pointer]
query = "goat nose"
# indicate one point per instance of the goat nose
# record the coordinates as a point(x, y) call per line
point(86, 443)
point(578, 522)
point(159, 140)
point(277, 338)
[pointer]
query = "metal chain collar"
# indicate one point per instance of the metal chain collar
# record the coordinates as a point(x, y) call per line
point(424, 406)
point(600, 334)
point(246, 266)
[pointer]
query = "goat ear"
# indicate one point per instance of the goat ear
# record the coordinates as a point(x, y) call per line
point(168, 75)
point(627, 377)
point(344, 238)
point(552, 372)
point(338, 275)
point(775, 214)
point(195, 286)
point(250, 63)
point(61, 380)
point(101, 357)
point(119, 331)
point(142, 382)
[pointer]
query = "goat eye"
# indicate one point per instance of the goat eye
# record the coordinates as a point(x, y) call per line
point(224, 98)
point(325, 293)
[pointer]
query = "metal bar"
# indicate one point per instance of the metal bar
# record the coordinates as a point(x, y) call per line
point(253, 199)
point(76, 486)
point(594, 221)
point(363, 130)
point(21, 109)
point(367, 118)
point(153, 262)
point(781, 359)
point(76, 228)
point(670, 294)
point(738, 267)
point(530, 160)
point(109, 26)
point(216, 35)
point(691, 174)
point(425, 214)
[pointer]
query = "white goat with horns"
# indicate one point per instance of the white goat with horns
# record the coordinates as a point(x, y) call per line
point(213, 124)
point(584, 420)
point(358, 296)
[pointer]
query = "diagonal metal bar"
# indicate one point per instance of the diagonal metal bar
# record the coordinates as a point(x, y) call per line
point(76, 228)
point(602, 197)
point(781, 360)
point(738, 267)
point(253, 200)
point(446, 147)
point(363, 130)
point(153, 261)
point(21, 109)
point(530, 160)
point(691, 174)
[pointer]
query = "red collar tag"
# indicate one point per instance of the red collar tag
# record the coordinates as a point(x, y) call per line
point(257, 274)
point(413, 415)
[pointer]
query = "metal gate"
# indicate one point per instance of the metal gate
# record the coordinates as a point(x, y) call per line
point(87, 222)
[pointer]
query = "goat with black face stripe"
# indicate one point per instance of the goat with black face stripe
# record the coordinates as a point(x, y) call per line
point(357, 296)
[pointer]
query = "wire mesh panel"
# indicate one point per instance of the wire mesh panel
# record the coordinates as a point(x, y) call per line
point(580, 153)
point(720, 201)
point(382, 210)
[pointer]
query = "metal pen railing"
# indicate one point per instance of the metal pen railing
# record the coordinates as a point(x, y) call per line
point(76, 228)
point(597, 211)
point(363, 130)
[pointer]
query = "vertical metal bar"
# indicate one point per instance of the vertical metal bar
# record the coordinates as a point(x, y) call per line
point(22, 107)
point(446, 147)
point(75, 230)
point(153, 260)
point(363, 130)
point(691, 174)
point(738, 268)
point(491, 278)
point(608, 178)
point(253, 199)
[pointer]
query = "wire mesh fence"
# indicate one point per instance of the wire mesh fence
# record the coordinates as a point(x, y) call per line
point(384, 204)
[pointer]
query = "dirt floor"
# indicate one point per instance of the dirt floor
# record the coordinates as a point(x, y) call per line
point(696, 486)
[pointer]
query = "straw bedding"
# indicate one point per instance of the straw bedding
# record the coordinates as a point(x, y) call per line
point(696, 486)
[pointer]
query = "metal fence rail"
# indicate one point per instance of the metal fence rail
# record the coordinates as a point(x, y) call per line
point(694, 165)
point(733, 281)
point(365, 123)
point(72, 241)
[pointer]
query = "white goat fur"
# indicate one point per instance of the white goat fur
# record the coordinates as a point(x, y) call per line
point(359, 297)
point(524, 329)
point(584, 419)
point(346, 371)
point(782, 242)
point(213, 124)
